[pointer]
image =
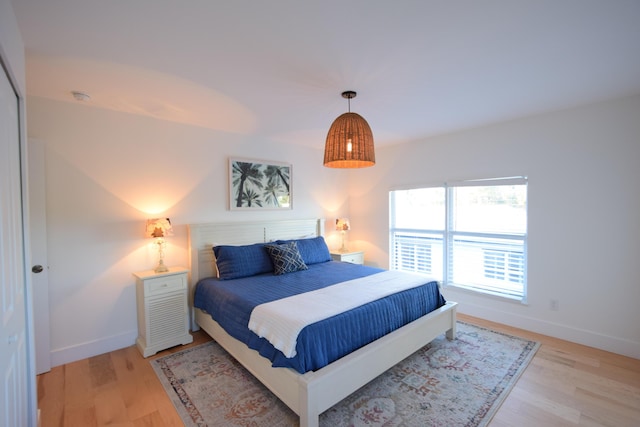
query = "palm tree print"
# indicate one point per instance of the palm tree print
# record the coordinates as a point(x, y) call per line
point(245, 173)
point(277, 175)
point(270, 194)
point(260, 185)
point(250, 198)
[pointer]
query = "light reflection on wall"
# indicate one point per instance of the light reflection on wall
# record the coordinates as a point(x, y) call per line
point(140, 91)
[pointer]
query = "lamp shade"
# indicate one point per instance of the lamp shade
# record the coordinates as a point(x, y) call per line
point(342, 224)
point(349, 141)
point(159, 227)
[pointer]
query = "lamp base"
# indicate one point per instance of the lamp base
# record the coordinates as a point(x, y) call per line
point(343, 248)
point(161, 268)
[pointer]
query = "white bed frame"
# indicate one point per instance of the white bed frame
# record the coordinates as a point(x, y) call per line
point(310, 394)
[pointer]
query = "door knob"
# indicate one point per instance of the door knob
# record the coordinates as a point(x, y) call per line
point(37, 269)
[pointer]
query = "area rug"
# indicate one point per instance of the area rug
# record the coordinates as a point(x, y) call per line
point(446, 383)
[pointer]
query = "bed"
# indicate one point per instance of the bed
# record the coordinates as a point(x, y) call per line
point(307, 392)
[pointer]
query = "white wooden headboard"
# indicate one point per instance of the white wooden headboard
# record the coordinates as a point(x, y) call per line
point(202, 238)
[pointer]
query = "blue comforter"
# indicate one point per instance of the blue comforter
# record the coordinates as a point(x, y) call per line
point(230, 302)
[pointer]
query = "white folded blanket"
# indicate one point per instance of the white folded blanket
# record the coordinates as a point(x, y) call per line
point(281, 321)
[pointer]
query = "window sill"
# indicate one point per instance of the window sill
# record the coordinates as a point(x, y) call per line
point(485, 293)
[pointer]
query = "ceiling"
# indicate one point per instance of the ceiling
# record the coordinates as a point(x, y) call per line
point(275, 69)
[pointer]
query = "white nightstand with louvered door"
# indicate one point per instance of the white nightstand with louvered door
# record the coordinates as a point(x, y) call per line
point(163, 312)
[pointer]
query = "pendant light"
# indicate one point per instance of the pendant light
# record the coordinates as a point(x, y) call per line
point(349, 140)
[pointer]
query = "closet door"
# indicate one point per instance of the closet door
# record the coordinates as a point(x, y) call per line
point(14, 390)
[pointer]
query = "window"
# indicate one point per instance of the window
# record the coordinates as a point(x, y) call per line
point(471, 234)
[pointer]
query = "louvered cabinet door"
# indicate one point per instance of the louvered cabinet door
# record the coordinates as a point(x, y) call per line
point(163, 313)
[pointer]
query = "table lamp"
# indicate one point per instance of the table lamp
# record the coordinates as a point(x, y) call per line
point(342, 225)
point(159, 228)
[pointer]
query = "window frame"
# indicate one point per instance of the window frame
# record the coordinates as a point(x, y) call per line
point(485, 241)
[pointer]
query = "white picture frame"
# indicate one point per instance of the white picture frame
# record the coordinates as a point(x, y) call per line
point(259, 184)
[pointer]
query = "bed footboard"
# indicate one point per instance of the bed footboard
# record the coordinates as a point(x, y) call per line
point(310, 394)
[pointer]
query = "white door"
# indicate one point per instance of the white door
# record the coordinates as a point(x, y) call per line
point(14, 389)
point(40, 270)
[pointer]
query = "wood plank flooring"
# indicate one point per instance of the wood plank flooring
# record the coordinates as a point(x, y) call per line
point(566, 384)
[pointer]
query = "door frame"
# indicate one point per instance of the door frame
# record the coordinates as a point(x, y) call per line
point(38, 229)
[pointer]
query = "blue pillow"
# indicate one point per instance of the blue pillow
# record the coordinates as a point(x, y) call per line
point(234, 262)
point(313, 251)
point(286, 258)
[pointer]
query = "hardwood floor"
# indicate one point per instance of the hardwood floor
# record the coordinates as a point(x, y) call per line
point(566, 384)
point(569, 384)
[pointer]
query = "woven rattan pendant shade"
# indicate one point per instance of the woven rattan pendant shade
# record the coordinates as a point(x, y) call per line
point(349, 142)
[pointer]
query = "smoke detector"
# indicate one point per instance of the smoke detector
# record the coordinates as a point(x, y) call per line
point(80, 96)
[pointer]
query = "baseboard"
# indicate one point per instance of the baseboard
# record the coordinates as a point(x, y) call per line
point(581, 336)
point(92, 348)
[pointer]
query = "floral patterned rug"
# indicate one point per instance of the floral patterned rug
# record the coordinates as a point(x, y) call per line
point(446, 383)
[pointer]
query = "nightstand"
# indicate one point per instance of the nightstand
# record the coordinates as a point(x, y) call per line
point(163, 312)
point(354, 257)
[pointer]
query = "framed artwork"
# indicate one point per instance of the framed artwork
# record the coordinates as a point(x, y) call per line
point(258, 184)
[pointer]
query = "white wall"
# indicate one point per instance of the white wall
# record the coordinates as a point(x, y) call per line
point(106, 173)
point(584, 214)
